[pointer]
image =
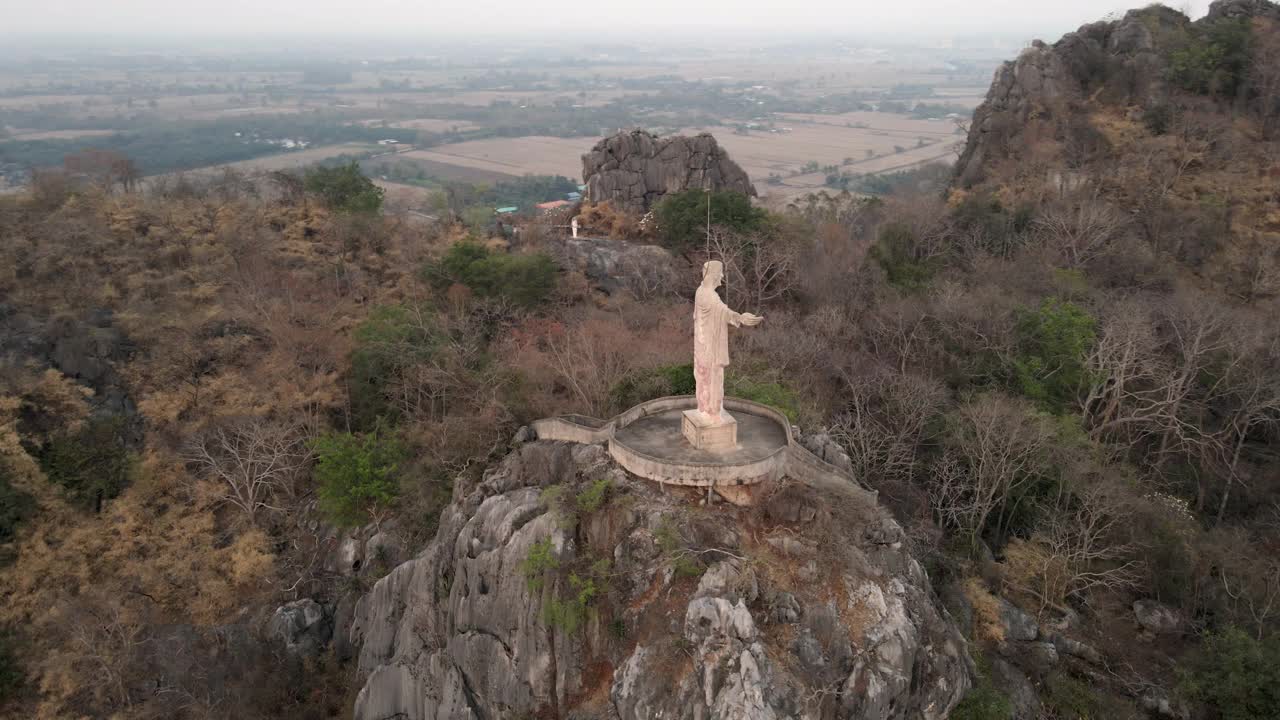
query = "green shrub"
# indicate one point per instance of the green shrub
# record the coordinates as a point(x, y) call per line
point(896, 253)
point(526, 280)
point(592, 499)
point(673, 546)
point(682, 216)
point(1071, 699)
point(93, 465)
point(344, 188)
point(357, 475)
point(1236, 675)
point(392, 338)
point(565, 613)
point(1053, 341)
point(540, 561)
point(775, 395)
point(1215, 60)
point(568, 614)
point(653, 383)
point(15, 506)
point(983, 701)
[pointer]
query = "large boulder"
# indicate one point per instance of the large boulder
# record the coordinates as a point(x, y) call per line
point(1157, 618)
point(614, 265)
point(695, 617)
point(632, 170)
point(303, 627)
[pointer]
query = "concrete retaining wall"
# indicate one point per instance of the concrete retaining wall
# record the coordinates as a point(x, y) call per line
point(569, 431)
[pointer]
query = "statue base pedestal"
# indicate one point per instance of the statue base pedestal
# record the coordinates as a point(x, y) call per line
point(706, 433)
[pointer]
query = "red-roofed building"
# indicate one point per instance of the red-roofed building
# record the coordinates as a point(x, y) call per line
point(553, 205)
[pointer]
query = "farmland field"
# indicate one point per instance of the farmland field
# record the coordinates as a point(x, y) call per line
point(402, 196)
point(534, 154)
point(828, 140)
point(428, 124)
point(24, 134)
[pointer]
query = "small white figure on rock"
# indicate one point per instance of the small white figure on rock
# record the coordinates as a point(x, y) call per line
point(573, 225)
point(710, 427)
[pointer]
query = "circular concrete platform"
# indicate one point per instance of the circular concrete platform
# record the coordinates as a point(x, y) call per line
point(647, 441)
point(659, 436)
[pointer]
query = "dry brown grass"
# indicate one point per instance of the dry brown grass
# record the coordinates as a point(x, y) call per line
point(986, 611)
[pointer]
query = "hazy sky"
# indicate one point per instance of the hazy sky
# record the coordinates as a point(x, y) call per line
point(609, 17)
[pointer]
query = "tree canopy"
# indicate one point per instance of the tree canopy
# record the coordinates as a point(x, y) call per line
point(682, 216)
point(344, 188)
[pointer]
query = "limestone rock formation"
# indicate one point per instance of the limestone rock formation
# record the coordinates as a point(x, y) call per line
point(612, 265)
point(302, 627)
point(1042, 97)
point(693, 612)
point(632, 170)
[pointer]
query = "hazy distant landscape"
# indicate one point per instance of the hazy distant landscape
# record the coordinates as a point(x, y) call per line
point(791, 115)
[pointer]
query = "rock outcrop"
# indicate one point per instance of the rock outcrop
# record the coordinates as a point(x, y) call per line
point(535, 600)
point(1043, 98)
point(614, 265)
point(632, 170)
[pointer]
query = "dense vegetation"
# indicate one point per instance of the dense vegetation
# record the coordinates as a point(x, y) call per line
point(683, 217)
point(344, 189)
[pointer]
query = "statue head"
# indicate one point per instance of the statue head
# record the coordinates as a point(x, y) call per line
point(712, 273)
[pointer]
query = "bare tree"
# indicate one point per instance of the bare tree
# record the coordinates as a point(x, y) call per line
point(107, 642)
point(590, 358)
point(1124, 360)
point(996, 449)
point(1075, 550)
point(252, 460)
point(1251, 583)
point(1159, 396)
point(885, 422)
point(758, 269)
point(1079, 227)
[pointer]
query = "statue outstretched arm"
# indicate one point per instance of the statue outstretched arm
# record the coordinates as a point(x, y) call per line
point(734, 318)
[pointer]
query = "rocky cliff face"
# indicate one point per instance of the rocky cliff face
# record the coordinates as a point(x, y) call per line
point(1042, 99)
point(632, 170)
point(543, 596)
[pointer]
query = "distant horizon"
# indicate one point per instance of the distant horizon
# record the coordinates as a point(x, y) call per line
point(153, 21)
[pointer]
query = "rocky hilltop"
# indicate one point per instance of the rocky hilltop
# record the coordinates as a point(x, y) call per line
point(632, 170)
point(1144, 63)
point(557, 586)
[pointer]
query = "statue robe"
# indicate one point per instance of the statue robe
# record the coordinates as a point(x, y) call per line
point(711, 320)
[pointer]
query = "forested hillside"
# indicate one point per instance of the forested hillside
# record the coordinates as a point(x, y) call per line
point(1062, 376)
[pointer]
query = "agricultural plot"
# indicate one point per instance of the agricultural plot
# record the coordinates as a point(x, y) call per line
point(829, 140)
point(428, 124)
point(531, 155)
point(28, 134)
point(400, 196)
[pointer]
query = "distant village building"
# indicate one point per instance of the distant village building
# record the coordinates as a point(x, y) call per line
point(553, 205)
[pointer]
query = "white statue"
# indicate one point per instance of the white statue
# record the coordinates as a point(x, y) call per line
point(710, 426)
point(573, 225)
